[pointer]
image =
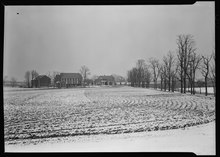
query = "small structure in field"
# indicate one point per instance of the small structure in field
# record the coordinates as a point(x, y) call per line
point(40, 81)
point(105, 80)
point(68, 80)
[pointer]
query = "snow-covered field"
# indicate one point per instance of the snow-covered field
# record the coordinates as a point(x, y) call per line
point(197, 139)
point(34, 117)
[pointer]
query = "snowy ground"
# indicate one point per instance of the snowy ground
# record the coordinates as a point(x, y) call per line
point(197, 139)
point(85, 119)
point(210, 90)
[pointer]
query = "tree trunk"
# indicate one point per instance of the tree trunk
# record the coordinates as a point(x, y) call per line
point(181, 81)
point(193, 83)
point(165, 84)
point(206, 90)
point(142, 84)
point(184, 83)
point(173, 84)
point(169, 83)
point(193, 87)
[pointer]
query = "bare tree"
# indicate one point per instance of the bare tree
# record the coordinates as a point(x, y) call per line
point(169, 62)
point(13, 82)
point(129, 77)
point(27, 78)
point(212, 73)
point(161, 77)
point(164, 77)
point(94, 78)
point(205, 70)
point(84, 70)
point(200, 84)
point(146, 77)
point(155, 66)
point(53, 75)
point(34, 74)
point(193, 66)
point(180, 69)
point(53, 78)
point(186, 46)
point(57, 80)
point(174, 76)
point(132, 76)
point(140, 69)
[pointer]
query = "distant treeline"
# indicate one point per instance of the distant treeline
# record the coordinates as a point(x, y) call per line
point(177, 69)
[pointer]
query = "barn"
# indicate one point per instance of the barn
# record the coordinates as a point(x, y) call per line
point(69, 80)
point(40, 81)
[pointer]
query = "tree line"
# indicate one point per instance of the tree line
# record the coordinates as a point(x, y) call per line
point(53, 75)
point(180, 66)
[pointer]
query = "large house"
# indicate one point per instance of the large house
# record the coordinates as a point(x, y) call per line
point(105, 80)
point(40, 81)
point(68, 80)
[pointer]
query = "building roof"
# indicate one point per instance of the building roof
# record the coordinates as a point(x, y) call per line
point(40, 76)
point(71, 75)
point(105, 77)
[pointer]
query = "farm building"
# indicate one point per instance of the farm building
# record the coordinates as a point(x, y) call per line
point(105, 80)
point(40, 81)
point(68, 80)
point(119, 80)
point(88, 82)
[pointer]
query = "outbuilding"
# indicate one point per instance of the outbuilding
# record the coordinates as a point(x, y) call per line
point(41, 81)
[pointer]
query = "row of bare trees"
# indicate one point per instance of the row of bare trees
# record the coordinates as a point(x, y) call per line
point(12, 81)
point(140, 75)
point(189, 62)
point(168, 72)
point(181, 68)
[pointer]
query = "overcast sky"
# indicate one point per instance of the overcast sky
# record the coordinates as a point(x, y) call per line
point(107, 39)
